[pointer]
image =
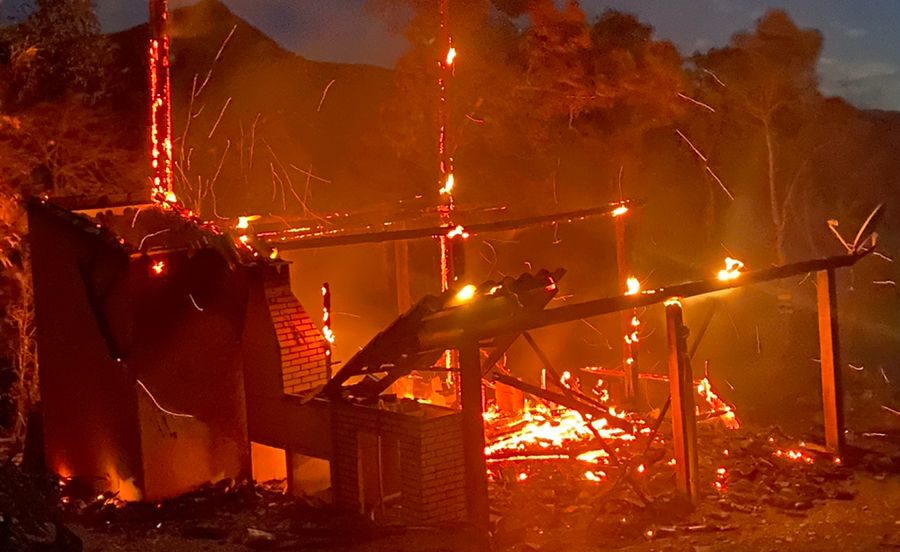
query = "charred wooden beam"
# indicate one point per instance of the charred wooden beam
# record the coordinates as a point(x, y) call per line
point(614, 373)
point(629, 348)
point(286, 241)
point(829, 346)
point(681, 385)
point(473, 434)
point(494, 316)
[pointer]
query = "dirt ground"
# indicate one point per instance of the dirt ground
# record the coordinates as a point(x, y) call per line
point(870, 522)
point(766, 502)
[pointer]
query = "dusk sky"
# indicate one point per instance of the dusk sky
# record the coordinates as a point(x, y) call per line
point(861, 60)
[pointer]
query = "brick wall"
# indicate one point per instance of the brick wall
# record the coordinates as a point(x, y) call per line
point(301, 342)
point(431, 458)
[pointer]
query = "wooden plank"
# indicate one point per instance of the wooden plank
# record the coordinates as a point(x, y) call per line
point(288, 239)
point(681, 385)
point(473, 433)
point(401, 272)
point(492, 316)
point(829, 348)
point(629, 350)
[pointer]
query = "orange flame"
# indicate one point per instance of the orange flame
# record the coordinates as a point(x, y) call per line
point(451, 56)
point(458, 231)
point(732, 270)
point(729, 418)
point(447, 189)
point(633, 285)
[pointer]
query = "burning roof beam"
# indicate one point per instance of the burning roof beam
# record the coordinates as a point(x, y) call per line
point(317, 240)
point(488, 318)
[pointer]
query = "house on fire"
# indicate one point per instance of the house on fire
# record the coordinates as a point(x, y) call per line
point(169, 352)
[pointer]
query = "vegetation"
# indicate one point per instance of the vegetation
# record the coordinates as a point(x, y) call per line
point(735, 149)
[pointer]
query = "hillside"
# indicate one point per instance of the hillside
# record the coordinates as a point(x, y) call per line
point(272, 112)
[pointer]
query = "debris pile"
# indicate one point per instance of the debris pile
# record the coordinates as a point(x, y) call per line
point(745, 475)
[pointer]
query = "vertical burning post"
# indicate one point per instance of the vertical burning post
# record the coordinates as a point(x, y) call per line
point(630, 322)
point(160, 104)
point(447, 180)
point(452, 251)
point(327, 332)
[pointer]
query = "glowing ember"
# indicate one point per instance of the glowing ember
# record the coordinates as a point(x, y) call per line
point(619, 211)
point(158, 267)
point(447, 189)
point(598, 456)
point(549, 431)
point(327, 332)
point(732, 270)
point(243, 223)
point(634, 286)
point(273, 254)
point(451, 55)
point(721, 482)
point(458, 231)
point(466, 293)
point(595, 476)
point(160, 105)
point(727, 415)
point(795, 455)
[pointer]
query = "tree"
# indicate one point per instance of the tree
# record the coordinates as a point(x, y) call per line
point(766, 78)
point(57, 50)
point(56, 138)
point(523, 97)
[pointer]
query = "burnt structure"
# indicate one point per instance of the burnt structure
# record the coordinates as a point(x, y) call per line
point(148, 326)
point(168, 348)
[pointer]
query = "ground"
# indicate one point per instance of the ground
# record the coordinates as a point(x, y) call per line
point(762, 501)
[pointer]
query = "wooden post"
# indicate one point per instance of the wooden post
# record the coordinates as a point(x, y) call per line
point(458, 259)
point(160, 102)
point(327, 331)
point(401, 272)
point(473, 433)
point(681, 384)
point(829, 348)
point(629, 350)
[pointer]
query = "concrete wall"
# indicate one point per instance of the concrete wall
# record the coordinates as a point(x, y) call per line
point(89, 401)
point(141, 374)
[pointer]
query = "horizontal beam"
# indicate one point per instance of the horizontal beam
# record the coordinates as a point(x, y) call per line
point(497, 316)
point(285, 241)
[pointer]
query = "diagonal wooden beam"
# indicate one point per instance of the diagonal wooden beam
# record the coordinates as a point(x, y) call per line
point(492, 317)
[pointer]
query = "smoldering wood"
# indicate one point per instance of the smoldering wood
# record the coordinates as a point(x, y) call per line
point(562, 400)
point(284, 241)
point(493, 316)
point(684, 423)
